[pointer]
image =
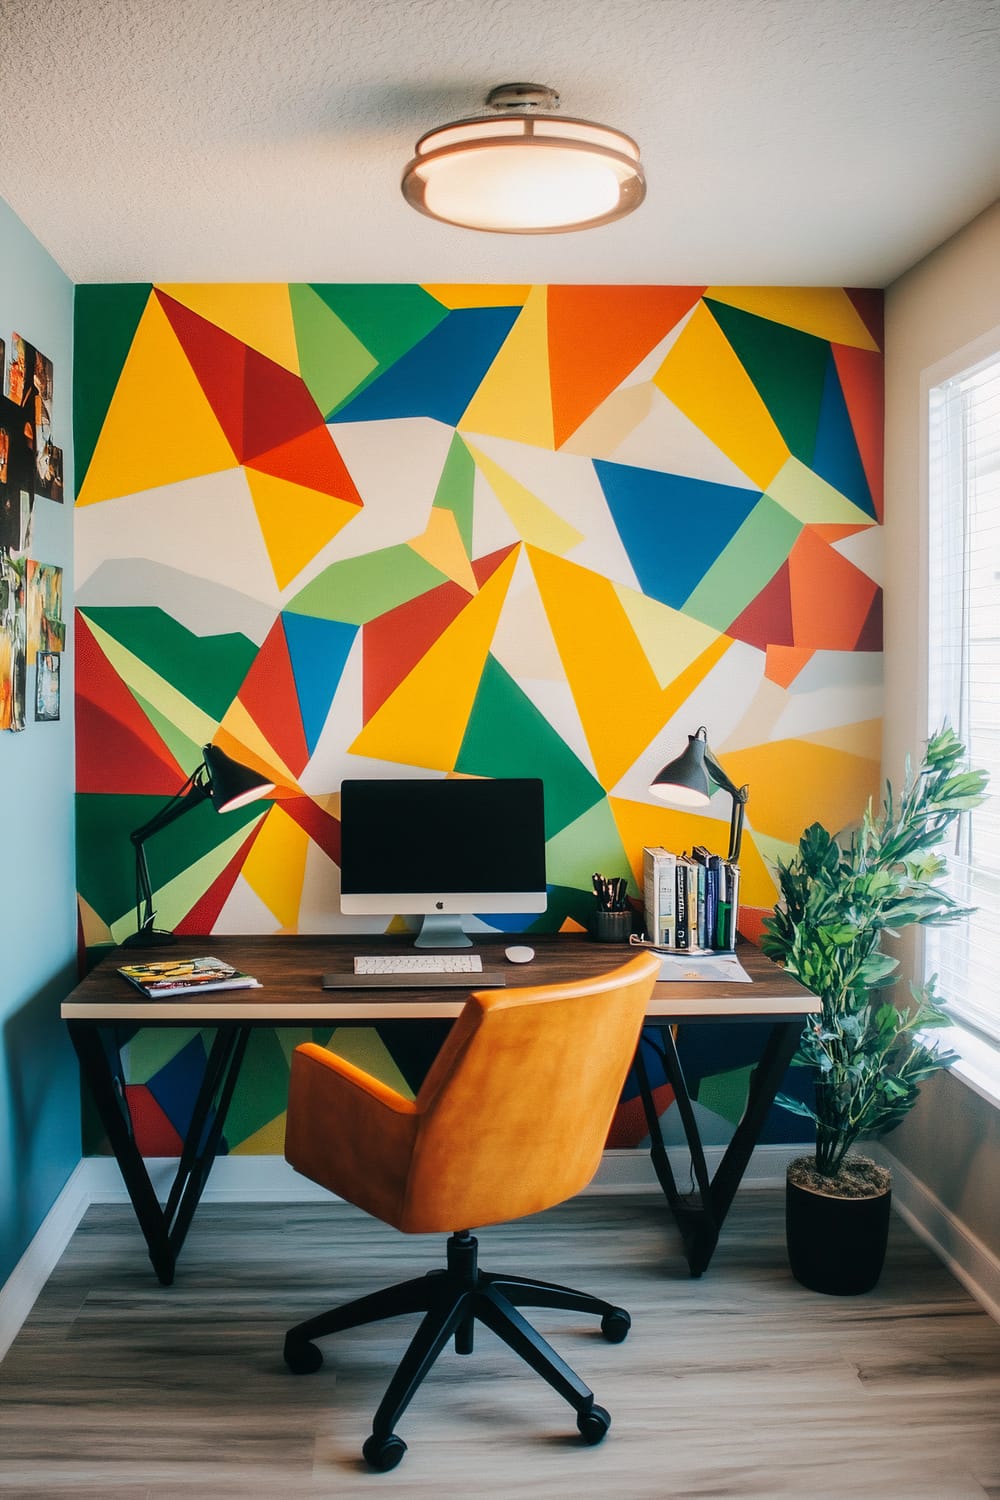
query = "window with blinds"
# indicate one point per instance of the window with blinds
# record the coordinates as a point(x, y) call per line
point(964, 673)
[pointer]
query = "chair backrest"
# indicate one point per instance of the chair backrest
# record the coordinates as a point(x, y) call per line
point(515, 1111)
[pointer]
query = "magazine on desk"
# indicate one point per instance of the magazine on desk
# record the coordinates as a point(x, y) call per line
point(185, 976)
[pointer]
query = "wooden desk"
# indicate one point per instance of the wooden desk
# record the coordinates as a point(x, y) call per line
point(290, 970)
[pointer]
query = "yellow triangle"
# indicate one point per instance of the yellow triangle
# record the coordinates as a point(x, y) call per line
point(96, 931)
point(794, 783)
point(810, 499)
point(159, 427)
point(441, 545)
point(269, 1140)
point(467, 294)
point(513, 400)
point(670, 639)
point(618, 698)
point(703, 377)
point(612, 422)
point(147, 686)
point(295, 522)
point(276, 865)
point(826, 311)
point(863, 738)
point(534, 521)
point(424, 721)
point(258, 314)
point(362, 1046)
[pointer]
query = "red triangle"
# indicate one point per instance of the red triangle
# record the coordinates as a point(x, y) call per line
point(483, 568)
point(204, 914)
point(767, 619)
point(311, 459)
point(869, 304)
point(322, 827)
point(597, 336)
point(870, 638)
point(831, 598)
point(153, 1132)
point(629, 1127)
point(277, 406)
point(117, 749)
point(393, 643)
point(270, 697)
point(861, 380)
point(219, 363)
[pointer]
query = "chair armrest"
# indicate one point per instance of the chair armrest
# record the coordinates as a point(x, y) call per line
point(349, 1131)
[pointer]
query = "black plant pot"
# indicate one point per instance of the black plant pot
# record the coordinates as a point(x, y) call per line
point(836, 1245)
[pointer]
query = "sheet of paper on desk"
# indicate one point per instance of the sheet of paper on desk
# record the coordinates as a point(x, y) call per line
point(717, 968)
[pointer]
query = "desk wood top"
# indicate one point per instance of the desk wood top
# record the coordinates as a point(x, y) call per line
point(291, 968)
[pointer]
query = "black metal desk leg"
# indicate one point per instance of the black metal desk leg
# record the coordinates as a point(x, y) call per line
point(163, 1228)
point(700, 1215)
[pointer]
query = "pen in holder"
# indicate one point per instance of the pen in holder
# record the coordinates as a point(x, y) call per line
point(612, 919)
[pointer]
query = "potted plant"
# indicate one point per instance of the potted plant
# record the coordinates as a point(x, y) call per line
point(840, 899)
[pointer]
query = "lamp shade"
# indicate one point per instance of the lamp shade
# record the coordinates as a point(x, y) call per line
point(685, 781)
point(230, 784)
point(521, 170)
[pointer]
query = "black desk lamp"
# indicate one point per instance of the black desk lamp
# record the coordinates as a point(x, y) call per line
point(228, 785)
point(690, 780)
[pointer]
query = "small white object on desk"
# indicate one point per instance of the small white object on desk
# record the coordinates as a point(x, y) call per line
point(520, 954)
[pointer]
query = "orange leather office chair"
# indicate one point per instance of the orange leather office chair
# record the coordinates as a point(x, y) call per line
point(511, 1119)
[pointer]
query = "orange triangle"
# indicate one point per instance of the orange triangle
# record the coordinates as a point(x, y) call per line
point(784, 663)
point(831, 598)
point(597, 335)
point(311, 459)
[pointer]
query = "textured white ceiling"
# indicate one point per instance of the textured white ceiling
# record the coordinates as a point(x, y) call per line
point(784, 141)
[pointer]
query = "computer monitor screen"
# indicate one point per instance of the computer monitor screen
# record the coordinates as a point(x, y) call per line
point(443, 850)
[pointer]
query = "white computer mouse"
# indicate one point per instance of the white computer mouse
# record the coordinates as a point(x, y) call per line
point(519, 955)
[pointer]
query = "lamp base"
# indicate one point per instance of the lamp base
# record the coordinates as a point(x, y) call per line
point(148, 937)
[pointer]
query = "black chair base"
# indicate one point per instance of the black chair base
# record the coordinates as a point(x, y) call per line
point(451, 1301)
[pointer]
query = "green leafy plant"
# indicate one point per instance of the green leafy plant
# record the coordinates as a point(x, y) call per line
point(839, 901)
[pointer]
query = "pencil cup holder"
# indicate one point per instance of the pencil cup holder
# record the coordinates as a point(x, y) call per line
point(611, 926)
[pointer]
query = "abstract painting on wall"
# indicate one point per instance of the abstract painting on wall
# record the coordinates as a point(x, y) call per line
point(378, 530)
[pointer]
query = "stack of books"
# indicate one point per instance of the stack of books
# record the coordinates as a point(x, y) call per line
point(186, 976)
point(691, 900)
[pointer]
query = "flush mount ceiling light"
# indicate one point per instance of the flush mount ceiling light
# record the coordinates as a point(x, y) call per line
point(522, 170)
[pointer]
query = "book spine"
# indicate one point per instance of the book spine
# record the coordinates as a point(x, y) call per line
point(683, 918)
point(713, 871)
point(658, 894)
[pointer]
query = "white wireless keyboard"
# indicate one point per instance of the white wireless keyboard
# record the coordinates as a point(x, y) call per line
point(409, 971)
point(419, 963)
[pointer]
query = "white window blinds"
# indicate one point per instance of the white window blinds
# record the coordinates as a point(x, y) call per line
point(964, 672)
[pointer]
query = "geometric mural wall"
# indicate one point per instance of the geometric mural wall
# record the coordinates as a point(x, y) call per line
point(463, 530)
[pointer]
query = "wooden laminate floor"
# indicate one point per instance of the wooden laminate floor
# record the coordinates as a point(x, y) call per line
point(739, 1384)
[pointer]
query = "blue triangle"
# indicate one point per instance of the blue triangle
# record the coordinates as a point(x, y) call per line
point(673, 528)
point(439, 376)
point(835, 457)
point(318, 651)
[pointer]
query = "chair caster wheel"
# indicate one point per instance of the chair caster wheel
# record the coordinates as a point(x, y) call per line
point(302, 1358)
point(593, 1424)
point(615, 1325)
point(383, 1452)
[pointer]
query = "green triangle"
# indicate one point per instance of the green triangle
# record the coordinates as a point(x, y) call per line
point(787, 367)
point(388, 320)
point(565, 902)
point(360, 589)
point(507, 736)
point(592, 842)
point(104, 322)
point(208, 670)
point(455, 489)
point(262, 1091)
point(332, 361)
point(186, 751)
point(745, 566)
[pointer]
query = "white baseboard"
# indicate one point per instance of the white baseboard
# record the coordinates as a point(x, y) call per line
point(19, 1291)
point(969, 1260)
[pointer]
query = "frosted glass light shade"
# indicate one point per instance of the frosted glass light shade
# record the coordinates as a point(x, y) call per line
point(525, 174)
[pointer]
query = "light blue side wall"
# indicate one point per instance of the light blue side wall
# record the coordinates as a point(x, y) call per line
point(39, 1081)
